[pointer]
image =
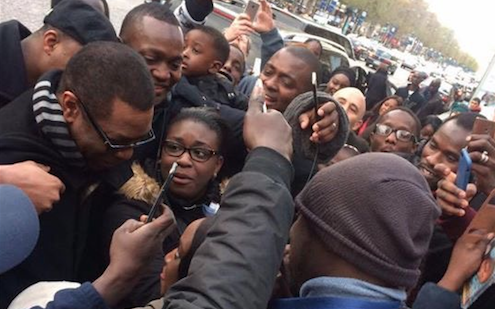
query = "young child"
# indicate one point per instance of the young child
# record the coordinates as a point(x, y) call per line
point(206, 51)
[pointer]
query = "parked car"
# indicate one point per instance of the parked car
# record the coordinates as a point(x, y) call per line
point(410, 63)
point(381, 56)
point(331, 55)
point(361, 51)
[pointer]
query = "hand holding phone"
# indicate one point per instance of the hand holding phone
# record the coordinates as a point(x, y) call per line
point(449, 196)
point(251, 9)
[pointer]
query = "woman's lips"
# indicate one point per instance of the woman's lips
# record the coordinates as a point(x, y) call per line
point(181, 179)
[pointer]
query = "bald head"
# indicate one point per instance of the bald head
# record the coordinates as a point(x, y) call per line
point(354, 104)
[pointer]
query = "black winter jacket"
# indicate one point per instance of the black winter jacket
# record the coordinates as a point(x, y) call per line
point(63, 230)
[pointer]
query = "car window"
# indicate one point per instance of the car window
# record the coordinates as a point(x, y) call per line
point(333, 60)
point(329, 35)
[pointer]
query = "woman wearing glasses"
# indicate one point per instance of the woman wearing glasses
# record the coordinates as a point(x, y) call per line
point(378, 110)
point(195, 139)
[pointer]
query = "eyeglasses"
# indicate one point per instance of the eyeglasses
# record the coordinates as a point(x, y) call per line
point(198, 154)
point(402, 135)
point(107, 141)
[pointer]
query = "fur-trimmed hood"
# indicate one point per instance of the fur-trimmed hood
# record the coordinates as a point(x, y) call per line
point(140, 186)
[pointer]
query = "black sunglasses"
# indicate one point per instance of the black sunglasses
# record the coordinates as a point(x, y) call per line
point(114, 145)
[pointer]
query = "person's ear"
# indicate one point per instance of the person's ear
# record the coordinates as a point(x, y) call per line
point(218, 165)
point(215, 67)
point(70, 107)
point(357, 125)
point(51, 38)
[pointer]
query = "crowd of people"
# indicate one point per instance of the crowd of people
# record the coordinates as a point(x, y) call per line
point(285, 191)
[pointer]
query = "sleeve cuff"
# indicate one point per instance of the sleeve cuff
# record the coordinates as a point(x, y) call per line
point(431, 294)
point(269, 34)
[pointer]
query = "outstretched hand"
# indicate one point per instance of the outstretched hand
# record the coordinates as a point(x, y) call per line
point(450, 198)
point(240, 26)
point(479, 146)
point(326, 128)
point(264, 18)
point(466, 259)
point(133, 245)
point(268, 129)
point(35, 180)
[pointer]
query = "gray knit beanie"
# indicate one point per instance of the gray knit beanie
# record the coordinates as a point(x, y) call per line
point(303, 103)
point(374, 210)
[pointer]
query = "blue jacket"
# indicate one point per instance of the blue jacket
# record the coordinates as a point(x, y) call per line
point(331, 303)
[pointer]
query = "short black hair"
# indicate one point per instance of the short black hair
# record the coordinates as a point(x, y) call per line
point(220, 43)
point(209, 117)
point(376, 108)
point(432, 120)
point(103, 71)
point(316, 41)
point(417, 123)
point(153, 9)
point(476, 99)
point(305, 55)
point(464, 120)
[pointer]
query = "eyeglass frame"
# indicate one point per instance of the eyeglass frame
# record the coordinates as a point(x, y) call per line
point(104, 136)
point(213, 152)
point(413, 137)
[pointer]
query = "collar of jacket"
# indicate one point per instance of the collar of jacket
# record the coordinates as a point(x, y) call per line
point(13, 76)
point(351, 288)
point(331, 303)
point(142, 187)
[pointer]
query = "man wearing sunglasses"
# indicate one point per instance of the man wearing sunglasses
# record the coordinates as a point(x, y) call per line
point(79, 123)
point(396, 131)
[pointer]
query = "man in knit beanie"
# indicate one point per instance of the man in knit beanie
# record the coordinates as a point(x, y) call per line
point(359, 241)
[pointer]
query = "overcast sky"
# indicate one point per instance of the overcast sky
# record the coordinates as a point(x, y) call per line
point(474, 24)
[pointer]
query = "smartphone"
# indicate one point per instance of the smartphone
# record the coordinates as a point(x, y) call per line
point(251, 9)
point(484, 126)
point(463, 170)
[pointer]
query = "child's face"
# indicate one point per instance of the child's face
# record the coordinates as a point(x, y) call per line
point(199, 55)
